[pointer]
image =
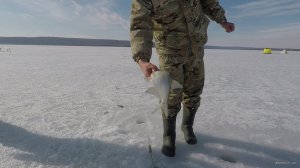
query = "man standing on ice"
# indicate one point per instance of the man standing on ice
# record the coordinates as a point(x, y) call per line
point(179, 28)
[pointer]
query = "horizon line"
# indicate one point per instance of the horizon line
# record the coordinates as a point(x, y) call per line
point(118, 40)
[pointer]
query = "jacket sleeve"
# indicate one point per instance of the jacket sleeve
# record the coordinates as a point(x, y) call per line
point(141, 29)
point(214, 10)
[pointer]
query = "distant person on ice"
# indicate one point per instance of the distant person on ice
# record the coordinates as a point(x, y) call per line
point(179, 28)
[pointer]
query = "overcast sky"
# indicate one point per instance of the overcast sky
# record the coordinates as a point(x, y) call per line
point(259, 23)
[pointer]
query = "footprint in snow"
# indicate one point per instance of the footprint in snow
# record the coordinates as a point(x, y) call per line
point(121, 106)
point(228, 158)
point(139, 121)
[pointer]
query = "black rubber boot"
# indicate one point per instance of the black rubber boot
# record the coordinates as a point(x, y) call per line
point(169, 136)
point(187, 125)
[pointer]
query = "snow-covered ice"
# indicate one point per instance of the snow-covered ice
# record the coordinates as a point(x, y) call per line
point(86, 107)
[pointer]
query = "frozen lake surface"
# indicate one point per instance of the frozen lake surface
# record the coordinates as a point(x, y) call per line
point(85, 107)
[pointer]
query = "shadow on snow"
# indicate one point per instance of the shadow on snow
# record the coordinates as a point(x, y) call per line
point(238, 152)
point(94, 153)
point(70, 152)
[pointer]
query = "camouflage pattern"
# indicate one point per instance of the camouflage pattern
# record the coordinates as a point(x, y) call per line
point(179, 28)
point(177, 25)
point(189, 72)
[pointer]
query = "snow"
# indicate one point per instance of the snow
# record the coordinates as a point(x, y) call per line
point(74, 107)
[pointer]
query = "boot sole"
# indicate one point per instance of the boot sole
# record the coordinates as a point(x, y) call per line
point(191, 142)
point(167, 152)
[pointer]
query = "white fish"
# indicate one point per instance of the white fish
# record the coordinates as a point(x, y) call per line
point(161, 84)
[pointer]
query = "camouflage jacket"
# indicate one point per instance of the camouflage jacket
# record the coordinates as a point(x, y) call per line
point(176, 25)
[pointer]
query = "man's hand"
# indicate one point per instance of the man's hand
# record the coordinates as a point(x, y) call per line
point(147, 68)
point(229, 27)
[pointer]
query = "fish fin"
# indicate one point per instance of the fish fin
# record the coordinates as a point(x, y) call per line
point(152, 91)
point(175, 85)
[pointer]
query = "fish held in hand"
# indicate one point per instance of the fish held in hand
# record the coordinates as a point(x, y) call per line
point(161, 84)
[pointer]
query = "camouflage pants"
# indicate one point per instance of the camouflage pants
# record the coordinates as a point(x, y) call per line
point(188, 70)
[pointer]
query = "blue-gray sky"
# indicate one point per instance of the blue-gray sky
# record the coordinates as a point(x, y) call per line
point(259, 23)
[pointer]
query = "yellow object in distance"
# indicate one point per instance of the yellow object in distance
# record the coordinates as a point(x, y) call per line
point(267, 51)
